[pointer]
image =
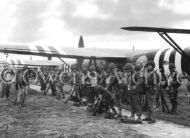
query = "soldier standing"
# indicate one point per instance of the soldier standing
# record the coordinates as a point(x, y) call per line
point(135, 87)
point(59, 84)
point(115, 86)
point(162, 91)
point(42, 81)
point(21, 85)
point(5, 90)
point(151, 87)
point(174, 83)
point(127, 73)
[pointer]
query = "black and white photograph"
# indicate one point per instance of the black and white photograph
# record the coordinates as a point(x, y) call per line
point(94, 69)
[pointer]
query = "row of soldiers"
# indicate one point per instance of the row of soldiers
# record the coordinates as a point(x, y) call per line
point(142, 87)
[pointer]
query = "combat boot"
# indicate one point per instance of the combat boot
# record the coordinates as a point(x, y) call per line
point(147, 119)
point(175, 109)
point(152, 121)
point(139, 120)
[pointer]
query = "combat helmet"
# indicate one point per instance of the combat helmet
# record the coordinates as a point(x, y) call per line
point(111, 66)
point(151, 63)
point(91, 68)
point(128, 66)
point(138, 66)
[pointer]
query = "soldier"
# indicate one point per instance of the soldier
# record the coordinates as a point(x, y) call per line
point(151, 86)
point(77, 82)
point(115, 86)
point(42, 81)
point(127, 72)
point(92, 80)
point(5, 90)
point(21, 85)
point(59, 84)
point(162, 91)
point(51, 83)
point(174, 83)
point(135, 86)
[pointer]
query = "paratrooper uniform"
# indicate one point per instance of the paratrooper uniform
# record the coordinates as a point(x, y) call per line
point(174, 83)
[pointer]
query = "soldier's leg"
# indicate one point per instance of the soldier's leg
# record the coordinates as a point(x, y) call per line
point(80, 94)
point(111, 104)
point(90, 93)
point(143, 102)
point(171, 96)
point(150, 105)
point(119, 104)
point(47, 88)
point(125, 96)
point(175, 100)
point(106, 102)
point(132, 106)
point(164, 103)
point(7, 91)
point(53, 89)
point(58, 95)
point(3, 90)
point(158, 98)
point(138, 107)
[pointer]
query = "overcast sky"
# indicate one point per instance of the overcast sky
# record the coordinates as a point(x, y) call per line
point(61, 22)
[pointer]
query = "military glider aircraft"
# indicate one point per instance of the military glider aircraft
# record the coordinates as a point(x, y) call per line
point(160, 56)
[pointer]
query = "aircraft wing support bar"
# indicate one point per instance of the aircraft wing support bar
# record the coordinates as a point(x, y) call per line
point(64, 62)
point(172, 43)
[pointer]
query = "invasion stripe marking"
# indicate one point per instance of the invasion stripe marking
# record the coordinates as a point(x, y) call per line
point(172, 57)
point(60, 50)
point(40, 49)
point(53, 50)
point(178, 62)
point(46, 49)
point(156, 58)
point(166, 59)
point(33, 49)
point(161, 60)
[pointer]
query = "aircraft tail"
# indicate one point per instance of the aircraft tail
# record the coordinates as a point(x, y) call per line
point(80, 60)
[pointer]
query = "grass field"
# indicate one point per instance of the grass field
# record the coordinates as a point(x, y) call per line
point(47, 117)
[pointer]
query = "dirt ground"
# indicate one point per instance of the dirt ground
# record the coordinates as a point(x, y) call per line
point(47, 117)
